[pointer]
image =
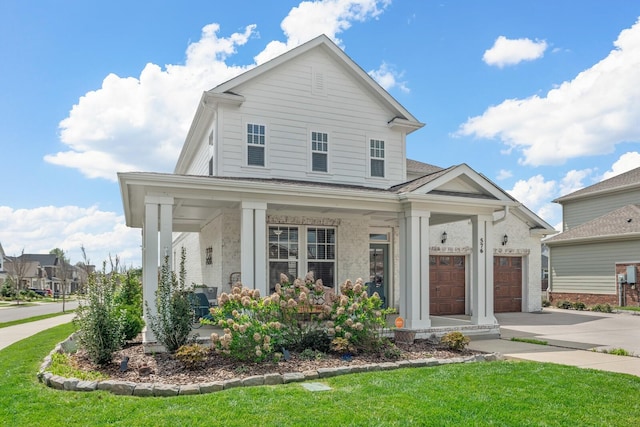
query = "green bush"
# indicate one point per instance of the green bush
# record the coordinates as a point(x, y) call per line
point(191, 355)
point(579, 306)
point(455, 340)
point(546, 303)
point(7, 291)
point(604, 308)
point(564, 304)
point(172, 322)
point(100, 322)
point(129, 300)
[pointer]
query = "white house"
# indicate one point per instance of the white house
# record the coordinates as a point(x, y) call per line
point(300, 165)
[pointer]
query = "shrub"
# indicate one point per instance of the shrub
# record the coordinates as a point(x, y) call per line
point(191, 355)
point(455, 340)
point(604, 308)
point(100, 323)
point(129, 300)
point(579, 306)
point(314, 339)
point(311, 354)
point(546, 303)
point(564, 304)
point(7, 291)
point(172, 323)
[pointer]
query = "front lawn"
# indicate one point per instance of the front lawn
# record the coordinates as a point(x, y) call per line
point(491, 393)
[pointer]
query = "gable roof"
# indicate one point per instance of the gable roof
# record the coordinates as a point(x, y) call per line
point(625, 180)
point(620, 223)
point(417, 167)
point(324, 42)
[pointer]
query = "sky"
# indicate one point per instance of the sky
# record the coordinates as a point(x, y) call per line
point(542, 97)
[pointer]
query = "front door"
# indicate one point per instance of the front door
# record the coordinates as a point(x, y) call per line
point(447, 276)
point(507, 282)
point(379, 272)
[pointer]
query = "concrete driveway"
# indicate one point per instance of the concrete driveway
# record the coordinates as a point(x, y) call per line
point(575, 329)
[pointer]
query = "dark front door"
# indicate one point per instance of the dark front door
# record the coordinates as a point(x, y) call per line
point(507, 284)
point(446, 285)
point(379, 271)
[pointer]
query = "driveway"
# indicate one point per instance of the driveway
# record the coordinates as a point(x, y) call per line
point(574, 329)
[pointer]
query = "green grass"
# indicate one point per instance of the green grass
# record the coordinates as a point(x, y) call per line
point(627, 308)
point(615, 351)
point(492, 393)
point(530, 341)
point(33, 319)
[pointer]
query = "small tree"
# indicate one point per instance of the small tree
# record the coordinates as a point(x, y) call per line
point(129, 300)
point(100, 322)
point(172, 323)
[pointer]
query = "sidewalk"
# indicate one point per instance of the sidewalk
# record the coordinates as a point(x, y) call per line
point(13, 334)
point(560, 355)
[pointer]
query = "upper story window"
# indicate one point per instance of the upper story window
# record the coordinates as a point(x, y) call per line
point(319, 152)
point(376, 156)
point(255, 144)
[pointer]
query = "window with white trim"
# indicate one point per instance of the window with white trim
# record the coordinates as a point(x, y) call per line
point(319, 152)
point(285, 257)
point(376, 155)
point(255, 144)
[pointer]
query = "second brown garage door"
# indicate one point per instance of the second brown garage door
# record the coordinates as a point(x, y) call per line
point(507, 284)
point(446, 285)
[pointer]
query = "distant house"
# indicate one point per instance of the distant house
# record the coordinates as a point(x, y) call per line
point(596, 257)
point(300, 165)
point(3, 273)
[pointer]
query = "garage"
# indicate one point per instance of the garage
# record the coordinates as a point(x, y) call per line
point(507, 280)
point(446, 285)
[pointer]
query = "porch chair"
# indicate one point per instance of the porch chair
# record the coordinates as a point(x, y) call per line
point(200, 305)
point(212, 295)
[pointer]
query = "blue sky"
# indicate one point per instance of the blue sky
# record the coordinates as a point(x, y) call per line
point(542, 97)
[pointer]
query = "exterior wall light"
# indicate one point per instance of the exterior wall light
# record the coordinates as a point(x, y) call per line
point(443, 238)
point(505, 239)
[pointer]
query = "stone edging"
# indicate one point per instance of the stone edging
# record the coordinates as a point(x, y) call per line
point(129, 388)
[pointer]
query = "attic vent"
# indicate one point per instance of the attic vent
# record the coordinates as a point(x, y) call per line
point(318, 85)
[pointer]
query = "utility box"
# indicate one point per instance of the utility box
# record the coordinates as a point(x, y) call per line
point(622, 278)
point(631, 274)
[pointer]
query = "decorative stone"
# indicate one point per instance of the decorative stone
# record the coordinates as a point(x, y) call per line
point(236, 382)
point(144, 389)
point(86, 385)
point(70, 383)
point(211, 387)
point(403, 363)
point(57, 382)
point(165, 390)
point(46, 378)
point(253, 381)
point(273, 379)
point(189, 389)
point(387, 366)
point(332, 372)
point(310, 375)
point(117, 387)
point(291, 377)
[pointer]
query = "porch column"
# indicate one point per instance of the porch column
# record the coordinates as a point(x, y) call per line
point(414, 268)
point(158, 216)
point(253, 246)
point(482, 271)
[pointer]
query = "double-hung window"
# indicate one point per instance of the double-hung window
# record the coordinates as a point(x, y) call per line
point(317, 254)
point(376, 155)
point(319, 152)
point(255, 144)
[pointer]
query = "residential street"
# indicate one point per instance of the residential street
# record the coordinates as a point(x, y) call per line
point(8, 314)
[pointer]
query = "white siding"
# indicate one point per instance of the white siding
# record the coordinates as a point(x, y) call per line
point(283, 101)
point(589, 268)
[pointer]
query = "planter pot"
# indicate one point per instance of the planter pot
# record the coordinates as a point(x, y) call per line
point(404, 336)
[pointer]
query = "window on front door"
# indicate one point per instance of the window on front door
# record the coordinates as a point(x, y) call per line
point(319, 152)
point(285, 256)
point(256, 142)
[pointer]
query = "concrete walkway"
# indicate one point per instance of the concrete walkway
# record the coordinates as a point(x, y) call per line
point(13, 334)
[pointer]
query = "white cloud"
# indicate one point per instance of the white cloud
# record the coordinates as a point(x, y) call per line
point(504, 174)
point(389, 78)
point(69, 228)
point(574, 181)
point(586, 116)
point(625, 163)
point(139, 123)
point(513, 51)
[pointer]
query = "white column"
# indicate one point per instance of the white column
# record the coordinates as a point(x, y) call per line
point(157, 217)
point(482, 271)
point(253, 246)
point(414, 269)
point(166, 231)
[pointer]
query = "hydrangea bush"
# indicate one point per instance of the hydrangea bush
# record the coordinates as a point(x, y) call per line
point(298, 314)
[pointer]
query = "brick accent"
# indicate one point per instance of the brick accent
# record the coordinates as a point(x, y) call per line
point(631, 293)
point(587, 299)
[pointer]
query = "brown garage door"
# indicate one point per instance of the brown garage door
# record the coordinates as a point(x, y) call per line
point(446, 285)
point(507, 281)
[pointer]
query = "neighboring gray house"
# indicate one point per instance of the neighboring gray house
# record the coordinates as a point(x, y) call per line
point(300, 165)
point(596, 257)
point(3, 273)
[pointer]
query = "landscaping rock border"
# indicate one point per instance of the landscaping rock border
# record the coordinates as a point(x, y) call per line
point(127, 388)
